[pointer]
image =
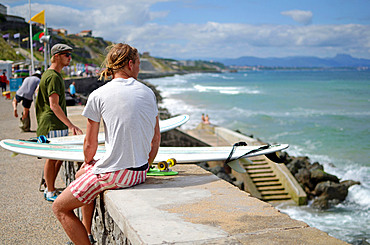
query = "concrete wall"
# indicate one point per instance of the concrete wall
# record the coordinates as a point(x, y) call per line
point(105, 230)
point(84, 85)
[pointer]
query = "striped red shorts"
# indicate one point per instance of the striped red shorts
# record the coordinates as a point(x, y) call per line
point(89, 185)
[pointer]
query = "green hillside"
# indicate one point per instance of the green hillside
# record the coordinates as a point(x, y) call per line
point(8, 53)
point(87, 50)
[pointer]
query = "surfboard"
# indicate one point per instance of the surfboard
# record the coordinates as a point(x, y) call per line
point(164, 125)
point(181, 154)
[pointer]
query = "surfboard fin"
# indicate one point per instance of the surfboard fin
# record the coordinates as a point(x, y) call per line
point(236, 166)
point(274, 157)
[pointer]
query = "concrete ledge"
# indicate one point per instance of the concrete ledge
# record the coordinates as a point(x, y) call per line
point(233, 137)
point(196, 207)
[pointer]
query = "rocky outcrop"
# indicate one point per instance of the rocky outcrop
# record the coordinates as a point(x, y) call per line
point(323, 188)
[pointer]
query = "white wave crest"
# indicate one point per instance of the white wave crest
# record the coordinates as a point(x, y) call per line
point(225, 90)
point(359, 194)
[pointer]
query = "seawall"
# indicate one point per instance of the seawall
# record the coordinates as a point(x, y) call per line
point(193, 207)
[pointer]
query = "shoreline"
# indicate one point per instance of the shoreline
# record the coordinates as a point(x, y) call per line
point(301, 166)
point(323, 189)
point(355, 204)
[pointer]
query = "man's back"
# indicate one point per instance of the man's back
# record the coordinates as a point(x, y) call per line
point(129, 111)
point(28, 87)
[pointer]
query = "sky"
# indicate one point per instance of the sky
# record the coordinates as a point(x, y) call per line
point(210, 29)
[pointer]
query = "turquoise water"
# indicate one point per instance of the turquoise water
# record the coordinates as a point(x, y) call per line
point(322, 114)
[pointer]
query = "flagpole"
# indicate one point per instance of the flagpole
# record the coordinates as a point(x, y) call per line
point(45, 49)
point(31, 43)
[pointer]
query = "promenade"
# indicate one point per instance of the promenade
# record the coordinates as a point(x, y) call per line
point(25, 217)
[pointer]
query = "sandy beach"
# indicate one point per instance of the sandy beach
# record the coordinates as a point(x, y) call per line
point(25, 217)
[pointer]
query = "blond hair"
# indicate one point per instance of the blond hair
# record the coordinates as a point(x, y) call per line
point(117, 58)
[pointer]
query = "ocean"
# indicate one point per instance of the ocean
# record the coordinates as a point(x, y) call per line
point(324, 115)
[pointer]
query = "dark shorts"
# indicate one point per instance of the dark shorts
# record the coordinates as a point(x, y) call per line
point(26, 103)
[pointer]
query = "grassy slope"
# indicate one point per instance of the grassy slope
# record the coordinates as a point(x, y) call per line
point(7, 53)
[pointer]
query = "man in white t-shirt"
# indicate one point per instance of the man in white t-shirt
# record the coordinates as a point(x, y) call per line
point(129, 112)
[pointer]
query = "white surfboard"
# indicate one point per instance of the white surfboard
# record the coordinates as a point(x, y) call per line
point(164, 125)
point(181, 154)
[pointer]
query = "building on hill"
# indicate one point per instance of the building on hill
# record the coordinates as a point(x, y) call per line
point(10, 21)
point(62, 32)
point(86, 33)
point(10, 18)
point(146, 54)
point(3, 9)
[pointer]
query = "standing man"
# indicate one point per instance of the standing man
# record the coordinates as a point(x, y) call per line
point(25, 94)
point(3, 81)
point(132, 137)
point(51, 111)
point(72, 89)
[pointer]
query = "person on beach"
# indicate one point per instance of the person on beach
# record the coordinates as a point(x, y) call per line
point(25, 94)
point(130, 116)
point(206, 120)
point(51, 111)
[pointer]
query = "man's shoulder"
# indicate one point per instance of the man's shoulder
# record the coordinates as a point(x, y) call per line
point(51, 75)
point(51, 72)
point(32, 79)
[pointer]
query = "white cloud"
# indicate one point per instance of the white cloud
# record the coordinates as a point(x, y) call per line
point(98, 17)
point(133, 23)
point(300, 16)
point(233, 40)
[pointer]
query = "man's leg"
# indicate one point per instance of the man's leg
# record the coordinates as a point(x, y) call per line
point(87, 215)
point(15, 103)
point(26, 120)
point(63, 209)
point(88, 209)
point(26, 112)
point(51, 170)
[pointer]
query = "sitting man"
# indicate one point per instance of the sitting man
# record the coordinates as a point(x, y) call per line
point(130, 116)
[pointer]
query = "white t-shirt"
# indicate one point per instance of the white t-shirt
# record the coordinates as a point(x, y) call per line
point(129, 112)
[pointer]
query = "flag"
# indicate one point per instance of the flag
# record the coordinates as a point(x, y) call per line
point(6, 36)
point(25, 39)
point(37, 36)
point(39, 18)
point(17, 35)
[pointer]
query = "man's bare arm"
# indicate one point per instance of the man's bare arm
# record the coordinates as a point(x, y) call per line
point(91, 140)
point(155, 142)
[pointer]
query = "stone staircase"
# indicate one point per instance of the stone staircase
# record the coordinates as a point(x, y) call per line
point(265, 180)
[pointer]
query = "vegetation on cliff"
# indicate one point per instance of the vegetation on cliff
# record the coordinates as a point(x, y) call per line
point(8, 53)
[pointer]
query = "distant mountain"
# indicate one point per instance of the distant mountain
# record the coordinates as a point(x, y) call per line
point(341, 60)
